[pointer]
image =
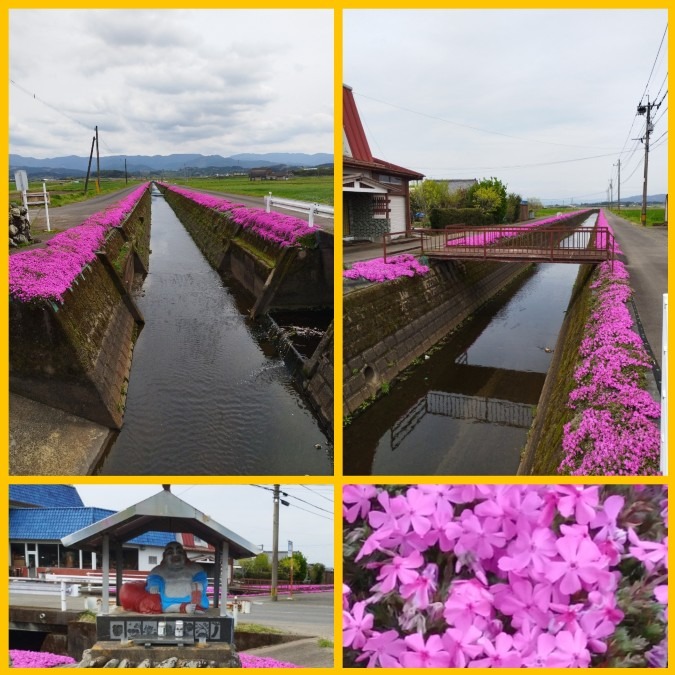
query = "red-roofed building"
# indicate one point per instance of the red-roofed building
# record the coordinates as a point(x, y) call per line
point(375, 193)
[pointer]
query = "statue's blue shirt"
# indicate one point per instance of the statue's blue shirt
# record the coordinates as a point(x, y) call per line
point(157, 580)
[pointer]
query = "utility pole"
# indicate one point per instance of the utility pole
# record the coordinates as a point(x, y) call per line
point(275, 544)
point(91, 154)
point(641, 110)
point(618, 186)
point(611, 194)
point(98, 166)
point(126, 177)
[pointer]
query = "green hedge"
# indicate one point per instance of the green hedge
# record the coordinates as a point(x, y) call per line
point(440, 218)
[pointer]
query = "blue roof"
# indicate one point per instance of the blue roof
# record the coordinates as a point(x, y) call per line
point(44, 524)
point(45, 495)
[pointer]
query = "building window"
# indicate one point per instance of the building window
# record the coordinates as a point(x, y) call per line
point(87, 560)
point(152, 560)
point(48, 555)
point(393, 180)
point(18, 553)
point(380, 206)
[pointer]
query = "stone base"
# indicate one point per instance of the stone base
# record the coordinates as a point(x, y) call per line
point(143, 628)
point(214, 655)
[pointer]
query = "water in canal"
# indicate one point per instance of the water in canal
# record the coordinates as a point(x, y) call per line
point(208, 392)
point(466, 409)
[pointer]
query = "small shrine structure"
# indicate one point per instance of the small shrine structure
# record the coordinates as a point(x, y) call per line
point(207, 635)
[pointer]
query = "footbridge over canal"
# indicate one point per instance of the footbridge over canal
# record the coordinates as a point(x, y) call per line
point(558, 244)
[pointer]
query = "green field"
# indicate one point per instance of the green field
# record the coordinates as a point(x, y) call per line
point(552, 210)
point(655, 215)
point(63, 192)
point(310, 189)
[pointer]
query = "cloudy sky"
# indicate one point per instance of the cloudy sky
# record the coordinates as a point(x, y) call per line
point(171, 81)
point(468, 93)
point(244, 509)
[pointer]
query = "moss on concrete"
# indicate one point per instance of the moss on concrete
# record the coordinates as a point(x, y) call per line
point(543, 452)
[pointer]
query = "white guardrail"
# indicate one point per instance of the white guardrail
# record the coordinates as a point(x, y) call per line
point(75, 586)
point(312, 208)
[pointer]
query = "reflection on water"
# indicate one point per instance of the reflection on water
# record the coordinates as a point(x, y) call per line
point(208, 392)
point(467, 409)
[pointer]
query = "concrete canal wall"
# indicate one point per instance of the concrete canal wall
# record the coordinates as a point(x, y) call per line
point(76, 356)
point(279, 277)
point(387, 326)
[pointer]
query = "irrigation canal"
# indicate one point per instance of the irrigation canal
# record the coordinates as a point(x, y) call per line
point(466, 408)
point(208, 391)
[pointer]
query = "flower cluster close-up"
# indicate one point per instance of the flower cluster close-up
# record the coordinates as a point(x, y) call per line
point(379, 270)
point(614, 430)
point(279, 228)
point(515, 576)
point(478, 238)
point(47, 273)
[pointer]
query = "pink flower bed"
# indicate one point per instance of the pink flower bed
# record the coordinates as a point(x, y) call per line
point(379, 270)
point(614, 430)
point(47, 273)
point(26, 659)
point(482, 238)
point(538, 576)
point(281, 229)
point(250, 661)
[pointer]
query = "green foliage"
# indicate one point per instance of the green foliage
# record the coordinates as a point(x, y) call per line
point(257, 568)
point(323, 642)
point(487, 200)
point(244, 627)
point(429, 194)
point(489, 195)
point(655, 216)
point(299, 567)
point(385, 387)
point(440, 218)
point(316, 573)
point(513, 202)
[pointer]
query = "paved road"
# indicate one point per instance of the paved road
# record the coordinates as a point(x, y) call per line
point(646, 250)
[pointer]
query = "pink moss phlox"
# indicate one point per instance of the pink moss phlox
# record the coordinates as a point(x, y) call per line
point(278, 228)
point(45, 274)
point(251, 661)
point(493, 575)
point(614, 430)
point(377, 270)
point(22, 658)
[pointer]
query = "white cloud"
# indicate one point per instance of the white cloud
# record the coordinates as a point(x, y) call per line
point(566, 77)
point(157, 82)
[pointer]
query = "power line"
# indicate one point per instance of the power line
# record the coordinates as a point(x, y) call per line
point(57, 110)
point(654, 64)
point(517, 166)
point(286, 494)
point(49, 105)
point(317, 493)
point(468, 126)
point(314, 506)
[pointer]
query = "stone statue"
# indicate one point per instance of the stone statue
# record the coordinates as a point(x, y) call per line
point(175, 585)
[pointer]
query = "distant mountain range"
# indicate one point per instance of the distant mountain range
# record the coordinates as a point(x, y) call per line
point(637, 199)
point(74, 165)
